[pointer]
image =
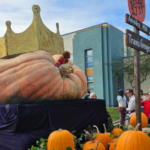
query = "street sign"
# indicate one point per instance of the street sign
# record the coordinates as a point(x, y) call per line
point(136, 41)
point(137, 9)
point(140, 26)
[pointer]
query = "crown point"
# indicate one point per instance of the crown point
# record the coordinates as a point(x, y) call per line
point(8, 24)
point(57, 25)
point(36, 9)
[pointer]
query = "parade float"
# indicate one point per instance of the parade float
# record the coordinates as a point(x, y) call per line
point(37, 98)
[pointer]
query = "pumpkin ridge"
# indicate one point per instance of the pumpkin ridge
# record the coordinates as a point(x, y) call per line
point(24, 66)
point(21, 65)
point(139, 141)
point(82, 82)
point(21, 68)
point(127, 140)
point(77, 89)
point(20, 81)
point(22, 76)
point(48, 91)
point(142, 142)
point(53, 80)
point(9, 63)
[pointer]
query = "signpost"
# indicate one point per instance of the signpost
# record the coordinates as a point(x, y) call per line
point(137, 9)
point(134, 40)
point(140, 26)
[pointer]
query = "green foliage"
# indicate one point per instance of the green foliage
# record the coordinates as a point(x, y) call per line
point(114, 113)
point(79, 142)
point(110, 126)
point(69, 148)
point(41, 145)
point(126, 68)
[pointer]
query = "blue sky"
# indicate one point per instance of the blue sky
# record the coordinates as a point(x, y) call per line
point(72, 15)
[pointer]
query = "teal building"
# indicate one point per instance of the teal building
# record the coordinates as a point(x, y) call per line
point(93, 49)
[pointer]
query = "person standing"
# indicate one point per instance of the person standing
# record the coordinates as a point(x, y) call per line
point(87, 96)
point(93, 96)
point(146, 104)
point(122, 105)
point(131, 104)
point(143, 98)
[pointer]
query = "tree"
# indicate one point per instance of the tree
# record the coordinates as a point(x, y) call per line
point(125, 68)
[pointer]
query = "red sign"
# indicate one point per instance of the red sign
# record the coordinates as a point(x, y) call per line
point(137, 9)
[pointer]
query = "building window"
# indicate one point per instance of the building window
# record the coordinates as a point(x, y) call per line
point(89, 69)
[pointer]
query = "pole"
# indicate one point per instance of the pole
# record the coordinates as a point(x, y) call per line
point(137, 83)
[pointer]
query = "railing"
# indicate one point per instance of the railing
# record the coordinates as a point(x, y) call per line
point(118, 122)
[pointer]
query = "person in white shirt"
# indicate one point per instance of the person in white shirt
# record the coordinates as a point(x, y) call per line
point(93, 96)
point(122, 105)
point(131, 104)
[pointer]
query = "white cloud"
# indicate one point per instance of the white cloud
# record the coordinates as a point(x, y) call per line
point(71, 15)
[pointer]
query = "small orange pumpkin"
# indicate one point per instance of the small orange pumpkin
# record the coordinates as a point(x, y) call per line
point(143, 119)
point(92, 144)
point(101, 137)
point(109, 136)
point(60, 140)
point(117, 131)
point(113, 144)
point(130, 140)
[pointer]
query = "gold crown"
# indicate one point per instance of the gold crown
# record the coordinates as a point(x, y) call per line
point(36, 37)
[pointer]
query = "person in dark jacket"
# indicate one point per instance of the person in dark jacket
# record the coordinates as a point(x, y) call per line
point(87, 96)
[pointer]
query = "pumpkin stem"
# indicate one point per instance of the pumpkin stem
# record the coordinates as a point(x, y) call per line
point(65, 69)
point(96, 129)
point(97, 143)
point(105, 128)
point(89, 136)
point(60, 130)
point(137, 127)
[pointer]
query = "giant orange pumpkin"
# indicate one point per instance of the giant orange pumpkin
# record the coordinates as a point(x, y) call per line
point(101, 137)
point(143, 119)
point(60, 139)
point(136, 140)
point(109, 136)
point(95, 145)
point(33, 77)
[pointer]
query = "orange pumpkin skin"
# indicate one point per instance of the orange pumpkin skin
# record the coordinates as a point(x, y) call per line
point(113, 144)
point(89, 145)
point(109, 139)
point(60, 140)
point(143, 119)
point(117, 131)
point(33, 77)
point(130, 140)
point(102, 138)
point(108, 135)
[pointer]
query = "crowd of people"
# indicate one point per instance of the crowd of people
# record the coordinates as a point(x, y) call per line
point(126, 103)
point(127, 107)
point(90, 95)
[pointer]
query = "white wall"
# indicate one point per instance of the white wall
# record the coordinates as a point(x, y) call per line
point(68, 43)
point(144, 86)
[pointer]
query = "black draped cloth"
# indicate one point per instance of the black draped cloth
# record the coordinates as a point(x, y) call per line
point(23, 124)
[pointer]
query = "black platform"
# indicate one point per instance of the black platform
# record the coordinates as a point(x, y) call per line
point(22, 125)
